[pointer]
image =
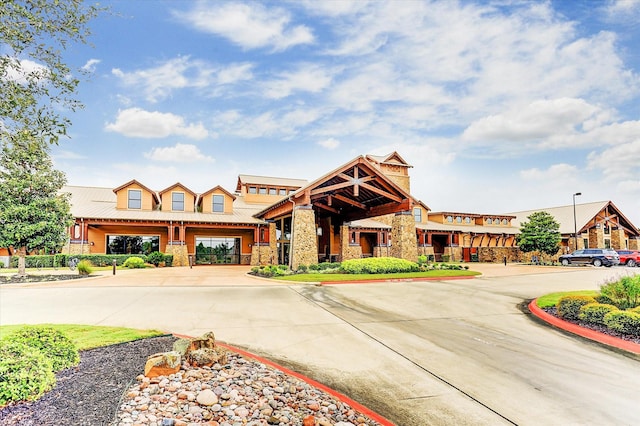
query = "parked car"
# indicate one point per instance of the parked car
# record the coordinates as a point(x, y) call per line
point(595, 257)
point(629, 257)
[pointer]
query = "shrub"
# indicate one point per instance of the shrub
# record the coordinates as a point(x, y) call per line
point(624, 322)
point(569, 306)
point(303, 269)
point(422, 259)
point(54, 344)
point(85, 267)
point(155, 258)
point(168, 260)
point(1, 264)
point(134, 262)
point(636, 310)
point(25, 372)
point(623, 293)
point(594, 312)
point(378, 265)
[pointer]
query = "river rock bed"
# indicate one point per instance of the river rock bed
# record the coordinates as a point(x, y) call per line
point(241, 392)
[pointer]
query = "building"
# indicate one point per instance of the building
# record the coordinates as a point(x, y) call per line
point(361, 209)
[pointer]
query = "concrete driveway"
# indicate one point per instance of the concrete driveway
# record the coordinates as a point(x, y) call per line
point(419, 353)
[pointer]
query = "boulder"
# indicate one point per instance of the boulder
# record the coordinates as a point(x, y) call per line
point(162, 364)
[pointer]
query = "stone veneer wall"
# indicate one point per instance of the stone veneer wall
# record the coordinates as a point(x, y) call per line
point(348, 250)
point(497, 254)
point(180, 254)
point(617, 239)
point(304, 244)
point(404, 243)
point(263, 255)
point(76, 249)
point(596, 238)
point(382, 251)
point(634, 243)
point(426, 251)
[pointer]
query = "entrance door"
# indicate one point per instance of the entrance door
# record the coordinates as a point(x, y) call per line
point(217, 250)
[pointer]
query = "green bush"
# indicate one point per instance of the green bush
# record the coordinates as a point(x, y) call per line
point(422, 259)
point(54, 344)
point(85, 267)
point(168, 260)
point(594, 313)
point(626, 322)
point(1, 264)
point(636, 310)
point(378, 265)
point(155, 258)
point(134, 262)
point(569, 306)
point(25, 372)
point(623, 293)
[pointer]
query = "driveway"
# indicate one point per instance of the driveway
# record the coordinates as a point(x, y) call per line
point(419, 353)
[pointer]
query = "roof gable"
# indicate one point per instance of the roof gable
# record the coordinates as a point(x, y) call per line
point(135, 182)
point(177, 185)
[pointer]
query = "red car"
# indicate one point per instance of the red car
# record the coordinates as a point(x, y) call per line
point(629, 257)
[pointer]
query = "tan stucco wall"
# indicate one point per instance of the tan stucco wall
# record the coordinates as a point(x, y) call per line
point(207, 202)
point(189, 200)
point(122, 198)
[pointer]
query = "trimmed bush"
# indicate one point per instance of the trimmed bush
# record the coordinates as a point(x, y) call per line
point(85, 267)
point(378, 265)
point(636, 310)
point(134, 262)
point(155, 258)
point(594, 313)
point(168, 260)
point(25, 372)
point(569, 306)
point(54, 344)
point(626, 322)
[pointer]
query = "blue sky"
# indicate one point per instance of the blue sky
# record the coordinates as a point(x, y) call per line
point(499, 106)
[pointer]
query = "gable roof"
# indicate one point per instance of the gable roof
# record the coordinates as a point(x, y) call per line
point(392, 158)
point(269, 181)
point(175, 185)
point(215, 188)
point(132, 182)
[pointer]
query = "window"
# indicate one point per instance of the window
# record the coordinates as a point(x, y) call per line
point(417, 214)
point(505, 222)
point(459, 219)
point(218, 204)
point(253, 190)
point(273, 191)
point(132, 244)
point(177, 201)
point(607, 231)
point(263, 191)
point(135, 199)
point(489, 221)
point(291, 191)
point(585, 242)
point(449, 218)
point(607, 243)
point(467, 219)
point(282, 191)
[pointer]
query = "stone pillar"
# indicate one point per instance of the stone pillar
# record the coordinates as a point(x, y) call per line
point(180, 254)
point(596, 238)
point(404, 244)
point(304, 244)
point(617, 239)
point(634, 243)
point(348, 249)
point(262, 254)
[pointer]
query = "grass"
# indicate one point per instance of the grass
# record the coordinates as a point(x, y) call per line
point(314, 277)
point(91, 336)
point(551, 299)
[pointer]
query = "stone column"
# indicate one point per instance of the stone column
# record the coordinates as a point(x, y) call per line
point(596, 238)
point(634, 243)
point(304, 241)
point(617, 239)
point(348, 250)
point(404, 244)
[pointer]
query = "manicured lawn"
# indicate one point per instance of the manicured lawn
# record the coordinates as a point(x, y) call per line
point(89, 336)
point(360, 277)
point(551, 299)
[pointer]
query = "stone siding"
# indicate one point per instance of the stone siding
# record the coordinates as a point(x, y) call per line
point(617, 239)
point(381, 251)
point(348, 250)
point(304, 247)
point(634, 243)
point(76, 248)
point(596, 238)
point(263, 255)
point(497, 254)
point(180, 254)
point(404, 243)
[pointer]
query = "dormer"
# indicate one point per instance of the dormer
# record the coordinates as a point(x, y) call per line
point(394, 167)
point(135, 196)
point(177, 198)
point(216, 200)
point(420, 212)
point(265, 189)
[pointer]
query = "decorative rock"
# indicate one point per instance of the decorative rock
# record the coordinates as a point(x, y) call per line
point(309, 421)
point(162, 364)
point(207, 398)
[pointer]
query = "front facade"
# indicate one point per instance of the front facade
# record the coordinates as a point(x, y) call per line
point(362, 209)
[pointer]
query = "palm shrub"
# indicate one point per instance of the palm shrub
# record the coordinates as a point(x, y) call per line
point(569, 306)
point(594, 313)
point(54, 344)
point(625, 322)
point(25, 372)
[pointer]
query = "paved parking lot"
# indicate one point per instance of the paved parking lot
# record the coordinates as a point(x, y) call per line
point(433, 352)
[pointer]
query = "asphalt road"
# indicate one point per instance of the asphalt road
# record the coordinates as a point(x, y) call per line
point(420, 353)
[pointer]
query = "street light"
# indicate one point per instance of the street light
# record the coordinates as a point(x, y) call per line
point(575, 225)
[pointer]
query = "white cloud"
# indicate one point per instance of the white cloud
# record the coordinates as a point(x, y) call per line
point(249, 25)
point(306, 78)
point(330, 143)
point(180, 153)
point(235, 73)
point(623, 10)
point(556, 173)
point(620, 162)
point(90, 65)
point(136, 122)
point(18, 70)
point(275, 123)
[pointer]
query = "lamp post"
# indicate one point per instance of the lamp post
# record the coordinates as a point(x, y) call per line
point(575, 225)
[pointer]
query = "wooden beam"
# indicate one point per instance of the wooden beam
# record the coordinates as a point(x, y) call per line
point(331, 188)
point(327, 208)
point(404, 205)
point(382, 192)
point(350, 201)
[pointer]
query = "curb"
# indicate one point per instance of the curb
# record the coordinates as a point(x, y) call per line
point(337, 395)
point(583, 332)
point(400, 280)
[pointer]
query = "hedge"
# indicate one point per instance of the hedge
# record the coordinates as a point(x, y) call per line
point(61, 260)
point(378, 265)
point(25, 372)
point(626, 322)
point(594, 313)
point(569, 306)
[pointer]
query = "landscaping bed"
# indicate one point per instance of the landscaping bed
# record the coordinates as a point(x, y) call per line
point(34, 278)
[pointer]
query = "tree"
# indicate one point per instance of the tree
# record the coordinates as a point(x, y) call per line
point(33, 214)
point(37, 86)
point(541, 233)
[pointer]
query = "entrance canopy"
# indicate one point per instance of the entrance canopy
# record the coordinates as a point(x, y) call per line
point(356, 190)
